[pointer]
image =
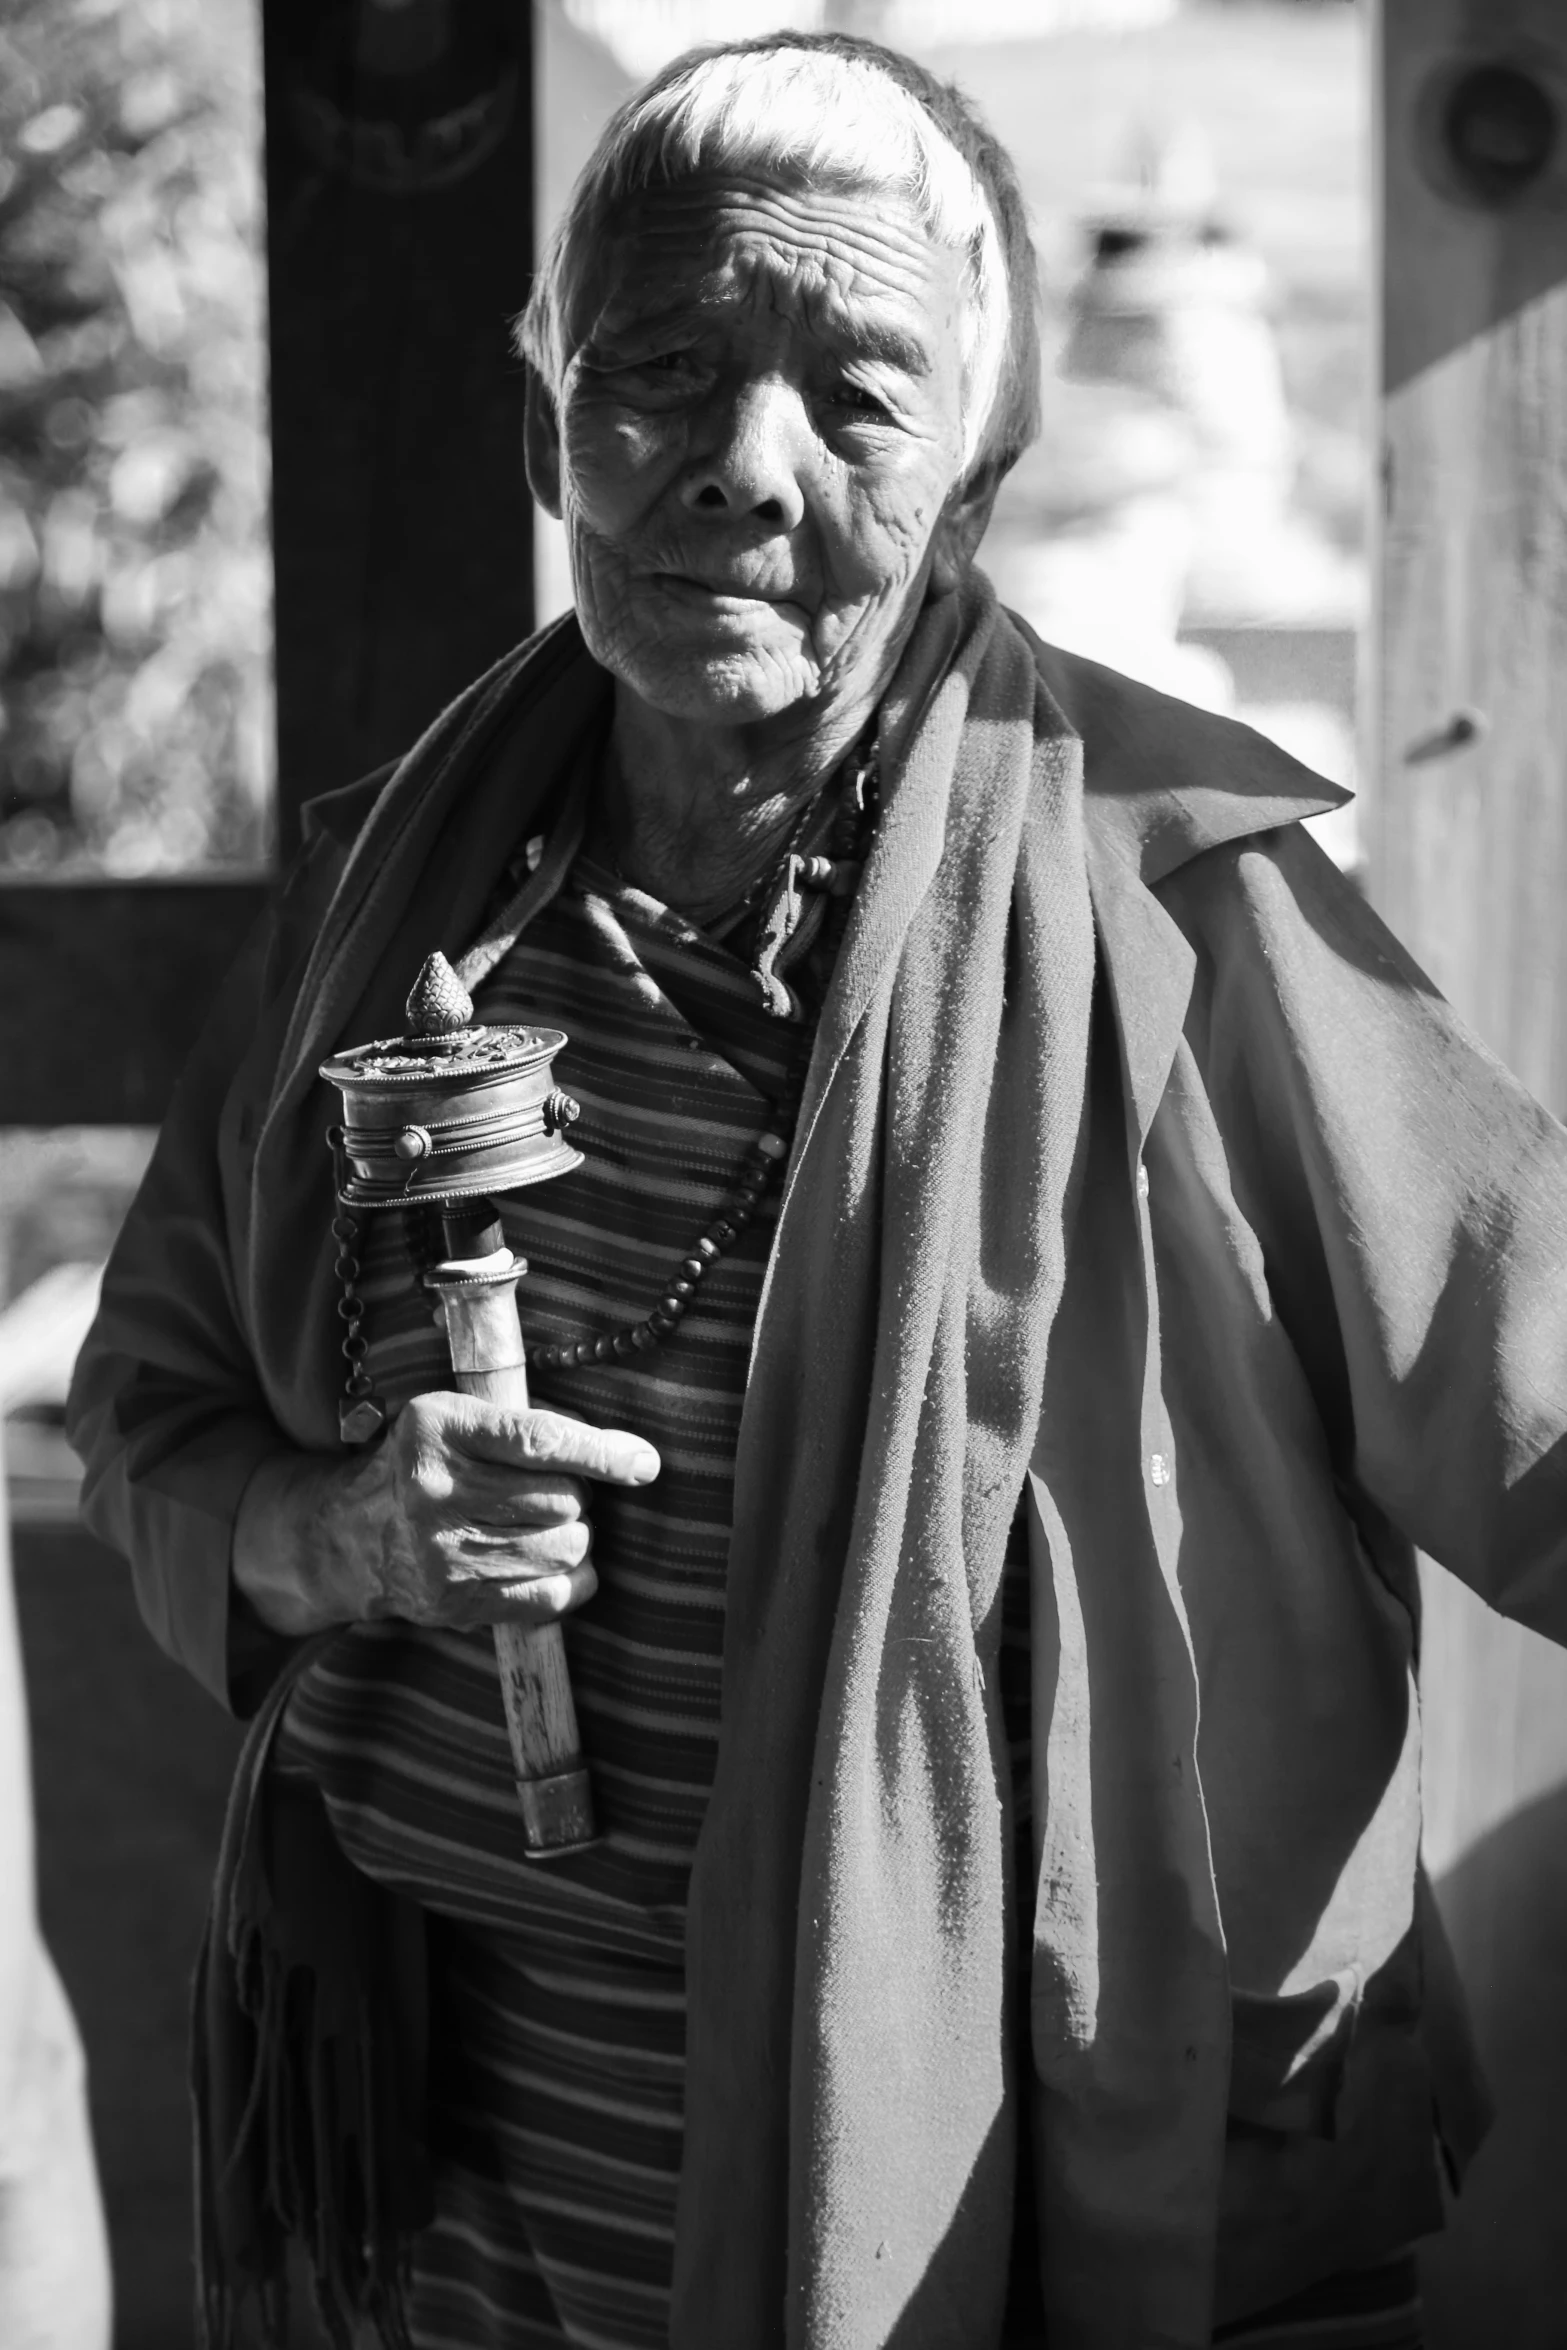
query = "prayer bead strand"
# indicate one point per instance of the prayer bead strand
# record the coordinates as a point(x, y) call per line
point(360, 1411)
point(766, 1156)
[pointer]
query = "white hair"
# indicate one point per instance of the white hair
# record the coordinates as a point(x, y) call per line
point(807, 111)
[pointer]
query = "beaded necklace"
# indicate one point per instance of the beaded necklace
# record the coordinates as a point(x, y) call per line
point(834, 875)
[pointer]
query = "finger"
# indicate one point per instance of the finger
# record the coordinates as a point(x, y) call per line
point(492, 1496)
point(542, 1599)
point(548, 1597)
point(504, 1555)
point(550, 1441)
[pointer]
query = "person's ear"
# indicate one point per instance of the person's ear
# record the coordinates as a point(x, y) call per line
point(964, 520)
point(541, 443)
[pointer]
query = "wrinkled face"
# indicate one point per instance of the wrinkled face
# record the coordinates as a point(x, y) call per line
point(760, 445)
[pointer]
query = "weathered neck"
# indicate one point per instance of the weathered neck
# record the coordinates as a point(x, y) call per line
point(693, 814)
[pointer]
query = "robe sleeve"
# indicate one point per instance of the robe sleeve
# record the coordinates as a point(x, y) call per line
point(1411, 1202)
point(166, 1409)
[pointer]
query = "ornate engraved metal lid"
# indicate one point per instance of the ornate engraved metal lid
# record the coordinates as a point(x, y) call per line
point(451, 1109)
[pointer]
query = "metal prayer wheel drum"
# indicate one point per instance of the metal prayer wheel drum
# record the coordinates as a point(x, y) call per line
point(450, 1111)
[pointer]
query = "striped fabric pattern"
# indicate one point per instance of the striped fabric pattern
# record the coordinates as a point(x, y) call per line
point(558, 2074)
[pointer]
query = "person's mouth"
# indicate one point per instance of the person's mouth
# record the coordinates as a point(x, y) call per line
point(729, 595)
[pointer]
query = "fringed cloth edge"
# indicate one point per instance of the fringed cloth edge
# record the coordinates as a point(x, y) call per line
point(308, 2068)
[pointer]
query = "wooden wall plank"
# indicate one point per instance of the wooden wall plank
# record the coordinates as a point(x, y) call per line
point(1467, 838)
point(1468, 823)
point(1468, 827)
point(105, 986)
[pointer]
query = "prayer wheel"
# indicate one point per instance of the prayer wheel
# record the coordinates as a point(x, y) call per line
point(445, 1117)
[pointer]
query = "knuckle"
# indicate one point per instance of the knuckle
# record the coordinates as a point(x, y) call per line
point(546, 1596)
point(549, 1549)
point(424, 1418)
point(542, 1435)
point(549, 1499)
point(430, 1479)
point(564, 1544)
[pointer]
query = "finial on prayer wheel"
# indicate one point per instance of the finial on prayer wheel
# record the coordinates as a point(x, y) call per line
point(438, 1003)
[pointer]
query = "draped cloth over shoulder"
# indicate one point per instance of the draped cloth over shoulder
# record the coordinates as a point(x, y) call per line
point(850, 2127)
point(846, 2075)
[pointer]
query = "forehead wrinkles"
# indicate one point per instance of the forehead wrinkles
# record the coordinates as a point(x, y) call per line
point(712, 240)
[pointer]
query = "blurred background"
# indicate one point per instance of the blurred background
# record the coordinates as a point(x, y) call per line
point(1235, 363)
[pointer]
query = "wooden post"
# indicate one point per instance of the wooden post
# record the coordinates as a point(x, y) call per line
point(1467, 837)
point(400, 244)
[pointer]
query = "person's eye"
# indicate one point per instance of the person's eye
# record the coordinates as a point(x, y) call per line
point(663, 367)
point(859, 401)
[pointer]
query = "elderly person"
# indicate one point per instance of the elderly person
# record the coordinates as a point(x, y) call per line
point(1043, 1258)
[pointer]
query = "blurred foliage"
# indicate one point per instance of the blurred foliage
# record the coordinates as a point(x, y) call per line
point(135, 587)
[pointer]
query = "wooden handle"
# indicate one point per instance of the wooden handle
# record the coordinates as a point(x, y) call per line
point(552, 1780)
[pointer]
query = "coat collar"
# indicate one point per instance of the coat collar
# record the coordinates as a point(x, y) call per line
point(1162, 782)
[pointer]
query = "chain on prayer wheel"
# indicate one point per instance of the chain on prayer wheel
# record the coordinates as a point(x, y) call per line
point(445, 1117)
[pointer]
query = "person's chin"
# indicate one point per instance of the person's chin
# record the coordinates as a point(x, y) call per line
point(743, 668)
point(737, 689)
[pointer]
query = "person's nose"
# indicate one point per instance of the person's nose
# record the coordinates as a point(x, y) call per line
point(751, 467)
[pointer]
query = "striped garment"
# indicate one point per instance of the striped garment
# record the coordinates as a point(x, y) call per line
point(559, 2064)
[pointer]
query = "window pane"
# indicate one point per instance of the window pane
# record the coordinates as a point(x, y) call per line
point(135, 578)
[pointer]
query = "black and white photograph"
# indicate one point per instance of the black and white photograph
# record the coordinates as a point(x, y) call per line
point(783, 1185)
